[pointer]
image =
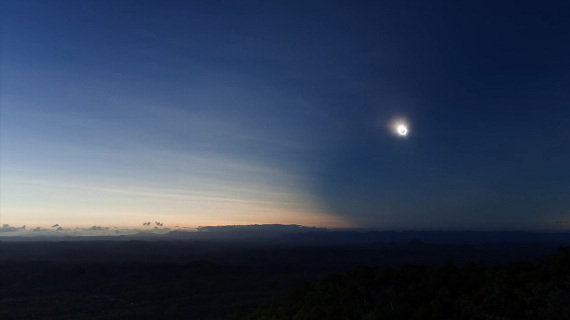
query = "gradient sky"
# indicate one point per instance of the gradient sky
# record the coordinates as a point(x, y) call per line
point(237, 112)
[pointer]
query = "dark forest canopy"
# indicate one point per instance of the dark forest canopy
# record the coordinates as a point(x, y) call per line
point(515, 291)
point(153, 280)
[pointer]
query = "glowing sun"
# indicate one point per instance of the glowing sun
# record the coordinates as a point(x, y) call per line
point(399, 126)
point(402, 129)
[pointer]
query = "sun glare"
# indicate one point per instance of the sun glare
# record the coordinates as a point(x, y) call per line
point(402, 129)
point(399, 127)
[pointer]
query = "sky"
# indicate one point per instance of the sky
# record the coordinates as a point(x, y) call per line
point(195, 113)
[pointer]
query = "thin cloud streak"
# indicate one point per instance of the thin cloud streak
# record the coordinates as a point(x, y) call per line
point(185, 195)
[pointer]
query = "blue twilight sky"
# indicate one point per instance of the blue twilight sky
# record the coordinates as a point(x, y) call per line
point(236, 112)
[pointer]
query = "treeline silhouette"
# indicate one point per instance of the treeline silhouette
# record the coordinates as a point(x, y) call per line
point(537, 290)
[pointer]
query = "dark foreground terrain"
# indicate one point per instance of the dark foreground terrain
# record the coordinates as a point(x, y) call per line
point(198, 279)
point(198, 290)
point(515, 291)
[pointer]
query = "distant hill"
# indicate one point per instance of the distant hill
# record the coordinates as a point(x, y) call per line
point(432, 237)
point(300, 235)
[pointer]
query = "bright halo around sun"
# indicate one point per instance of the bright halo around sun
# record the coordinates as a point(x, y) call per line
point(402, 130)
point(400, 127)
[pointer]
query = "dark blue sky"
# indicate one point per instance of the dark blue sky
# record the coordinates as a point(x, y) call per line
point(222, 112)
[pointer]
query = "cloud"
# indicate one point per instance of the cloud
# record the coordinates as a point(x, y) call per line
point(96, 228)
point(8, 228)
point(203, 232)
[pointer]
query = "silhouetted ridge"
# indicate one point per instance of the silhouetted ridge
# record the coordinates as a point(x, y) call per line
point(433, 237)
